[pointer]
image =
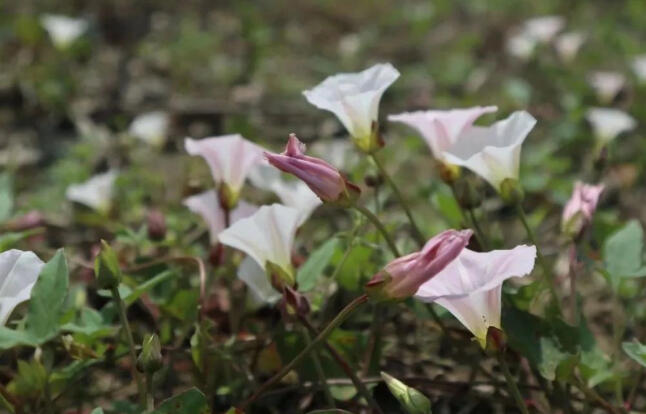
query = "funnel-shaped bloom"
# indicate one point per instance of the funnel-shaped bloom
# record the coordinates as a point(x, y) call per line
point(230, 158)
point(63, 30)
point(208, 206)
point(493, 152)
point(354, 99)
point(18, 273)
point(151, 128)
point(95, 192)
point(402, 277)
point(607, 85)
point(267, 236)
point(322, 178)
point(568, 44)
point(579, 209)
point(608, 123)
point(470, 287)
point(440, 129)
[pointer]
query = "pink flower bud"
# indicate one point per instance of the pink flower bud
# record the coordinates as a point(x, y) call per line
point(578, 211)
point(322, 178)
point(402, 277)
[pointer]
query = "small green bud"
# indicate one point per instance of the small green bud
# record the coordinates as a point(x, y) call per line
point(106, 267)
point(413, 401)
point(228, 197)
point(511, 192)
point(449, 173)
point(150, 358)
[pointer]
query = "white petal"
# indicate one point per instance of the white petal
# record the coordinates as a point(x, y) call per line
point(207, 205)
point(477, 311)
point(95, 192)
point(544, 28)
point(521, 45)
point(230, 157)
point(493, 152)
point(440, 129)
point(473, 271)
point(354, 97)
point(608, 123)
point(568, 44)
point(293, 193)
point(267, 235)
point(255, 277)
point(18, 272)
point(62, 29)
point(151, 127)
point(607, 84)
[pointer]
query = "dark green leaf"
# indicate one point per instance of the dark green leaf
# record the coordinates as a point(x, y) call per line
point(48, 299)
point(315, 265)
point(636, 351)
point(622, 253)
point(191, 401)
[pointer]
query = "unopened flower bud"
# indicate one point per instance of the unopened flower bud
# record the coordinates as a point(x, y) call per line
point(322, 178)
point(373, 180)
point(156, 223)
point(401, 278)
point(294, 303)
point(511, 192)
point(467, 193)
point(150, 357)
point(106, 267)
point(413, 401)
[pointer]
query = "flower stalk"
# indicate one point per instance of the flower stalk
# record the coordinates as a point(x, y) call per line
point(338, 319)
point(511, 384)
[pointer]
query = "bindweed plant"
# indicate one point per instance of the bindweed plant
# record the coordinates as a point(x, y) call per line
point(226, 275)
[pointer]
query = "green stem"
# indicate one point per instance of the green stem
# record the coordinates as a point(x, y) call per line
point(511, 384)
point(417, 234)
point(338, 319)
point(345, 366)
point(470, 219)
point(547, 274)
point(375, 220)
point(131, 344)
point(319, 371)
point(150, 400)
point(480, 235)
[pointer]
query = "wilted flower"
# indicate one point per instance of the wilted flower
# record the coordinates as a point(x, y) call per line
point(267, 237)
point(402, 277)
point(568, 44)
point(608, 123)
point(208, 206)
point(151, 127)
point(354, 99)
point(578, 211)
point(95, 192)
point(607, 84)
point(18, 273)
point(470, 286)
point(230, 158)
point(639, 67)
point(493, 152)
point(322, 178)
point(63, 30)
point(440, 129)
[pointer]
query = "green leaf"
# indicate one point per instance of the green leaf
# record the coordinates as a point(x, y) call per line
point(622, 253)
point(48, 299)
point(413, 401)
point(636, 351)
point(191, 401)
point(6, 197)
point(315, 265)
point(10, 239)
point(97, 410)
point(10, 338)
point(330, 411)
